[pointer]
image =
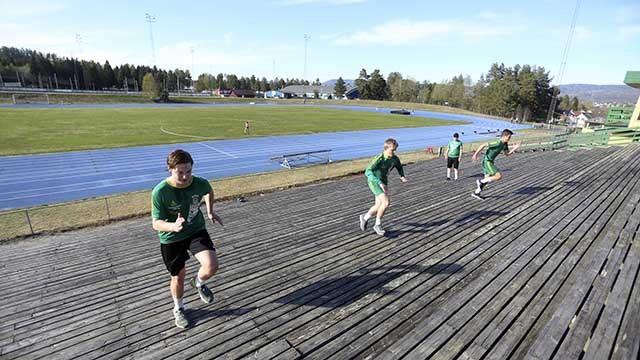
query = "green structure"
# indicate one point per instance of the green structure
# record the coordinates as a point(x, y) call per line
point(622, 126)
point(619, 116)
point(633, 79)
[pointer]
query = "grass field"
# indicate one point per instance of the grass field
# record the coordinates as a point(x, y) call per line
point(57, 98)
point(29, 131)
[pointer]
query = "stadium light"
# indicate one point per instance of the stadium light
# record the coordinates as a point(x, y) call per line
point(151, 19)
point(306, 39)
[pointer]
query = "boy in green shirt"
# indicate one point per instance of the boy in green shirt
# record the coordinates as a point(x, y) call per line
point(376, 174)
point(453, 155)
point(491, 172)
point(181, 228)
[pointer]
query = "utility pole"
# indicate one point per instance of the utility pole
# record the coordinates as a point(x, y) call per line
point(151, 19)
point(192, 72)
point(75, 61)
point(306, 39)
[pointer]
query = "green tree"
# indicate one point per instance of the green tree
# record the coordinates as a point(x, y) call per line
point(340, 88)
point(378, 86)
point(575, 104)
point(362, 83)
point(149, 86)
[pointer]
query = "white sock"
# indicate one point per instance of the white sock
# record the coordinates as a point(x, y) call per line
point(377, 221)
point(178, 303)
point(485, 181)
point(367, 216)
point(455, 174)
point(198, 281)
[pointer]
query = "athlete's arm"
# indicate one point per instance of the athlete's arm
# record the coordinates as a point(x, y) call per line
point(475, 155)
point(166, 226)
point(508, 152)
point(208, 200)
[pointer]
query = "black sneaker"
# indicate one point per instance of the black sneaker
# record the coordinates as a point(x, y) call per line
point(478, 196)
point(205, 294)
point(181, 319)
point(448, 178)
point(480, 185)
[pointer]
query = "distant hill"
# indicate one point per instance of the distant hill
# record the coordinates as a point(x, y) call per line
point(601, 93)
point(332, 82)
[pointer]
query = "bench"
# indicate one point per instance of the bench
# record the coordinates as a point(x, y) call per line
point(290, 160)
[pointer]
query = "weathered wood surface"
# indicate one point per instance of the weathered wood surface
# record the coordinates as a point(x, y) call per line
point(546, 267)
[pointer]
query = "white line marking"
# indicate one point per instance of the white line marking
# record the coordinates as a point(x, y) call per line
point(189, 136)
point(220, 151)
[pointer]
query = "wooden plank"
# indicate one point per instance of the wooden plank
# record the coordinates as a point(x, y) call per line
point(439, 317)
point(391, 319)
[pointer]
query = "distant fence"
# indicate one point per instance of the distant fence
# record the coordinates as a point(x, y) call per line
point(11, 89)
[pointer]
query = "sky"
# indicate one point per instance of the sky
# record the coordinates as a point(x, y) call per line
point(423, 40)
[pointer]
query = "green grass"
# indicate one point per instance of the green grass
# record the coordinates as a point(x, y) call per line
point(29, 131)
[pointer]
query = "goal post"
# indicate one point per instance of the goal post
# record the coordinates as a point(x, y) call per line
point(30, 98)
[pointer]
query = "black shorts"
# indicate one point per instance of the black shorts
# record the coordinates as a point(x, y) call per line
point(453, 162)
point(175, 254)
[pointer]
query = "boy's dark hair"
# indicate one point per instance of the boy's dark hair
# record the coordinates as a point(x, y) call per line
point(455, 135)
point(506, 132)
point(178, 156)
point(392, 142)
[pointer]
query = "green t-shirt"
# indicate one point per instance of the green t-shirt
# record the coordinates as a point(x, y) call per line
point(380, 166)
point(167, 200)
point(495, 148)
point(454, 148)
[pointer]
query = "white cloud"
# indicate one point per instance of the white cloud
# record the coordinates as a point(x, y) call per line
point(629, 31)
point(407, 32)
point(29, 7)
point(322, 2)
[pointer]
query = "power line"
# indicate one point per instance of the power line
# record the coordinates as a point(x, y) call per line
point(563, 63)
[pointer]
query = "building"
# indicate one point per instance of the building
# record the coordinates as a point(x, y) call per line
point(241, 93)
point(222, 92)
point(274, 94)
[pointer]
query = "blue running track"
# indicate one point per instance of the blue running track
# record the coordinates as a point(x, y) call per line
point(51, 178)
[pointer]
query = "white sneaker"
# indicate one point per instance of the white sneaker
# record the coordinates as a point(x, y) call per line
point(378, 229)
point(181, 319)
point(363, 223)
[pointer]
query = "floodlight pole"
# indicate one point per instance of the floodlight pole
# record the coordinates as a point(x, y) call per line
point(151, 19)
point(306, 39)
point(192, 72)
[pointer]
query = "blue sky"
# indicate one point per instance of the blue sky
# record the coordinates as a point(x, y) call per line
point(423, 40)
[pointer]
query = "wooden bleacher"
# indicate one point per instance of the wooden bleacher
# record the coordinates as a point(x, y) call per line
point(546, 267)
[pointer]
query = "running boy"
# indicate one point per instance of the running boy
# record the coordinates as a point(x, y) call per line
point(181, 227)
point(491, 172)
point(453, 155)
point(247, 128)
point(377, 177)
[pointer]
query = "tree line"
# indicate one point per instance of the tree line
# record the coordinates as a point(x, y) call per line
point(31, 68)
point(519, 92)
